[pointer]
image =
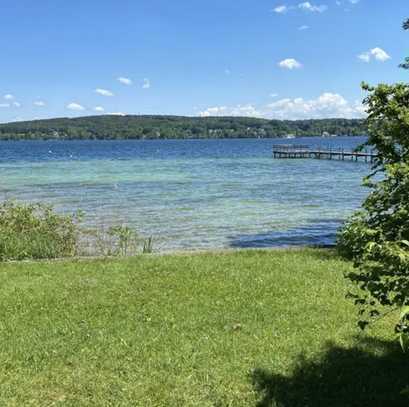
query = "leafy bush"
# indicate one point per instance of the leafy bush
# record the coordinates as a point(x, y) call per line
point(353, 237)
point(377, 237)
point(36, 231)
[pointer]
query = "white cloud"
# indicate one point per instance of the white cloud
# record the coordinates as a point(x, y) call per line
point(289, 63)
point(377, 53)
point(304, 6)
point(125, 81)
point(273, 95)
point(307, 6)
point(104, 92)
point(39, 103)
point(75, 106)
point(303, 27)
point(366, 56)
point(327, 105)
point(4, 105)
point(214, 111)
point(16, 104)
point(360, 108)
point(239, 110)
point(9, 97)
point(281, 9)
point(146, 83)
point(99, 109)
point(117, 114)
point(353, 2)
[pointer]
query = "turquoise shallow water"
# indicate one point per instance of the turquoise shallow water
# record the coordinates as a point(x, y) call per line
point(190, 194)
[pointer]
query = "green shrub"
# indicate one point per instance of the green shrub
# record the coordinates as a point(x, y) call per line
point(377, 237)
point(36, 231)
point(354, 237)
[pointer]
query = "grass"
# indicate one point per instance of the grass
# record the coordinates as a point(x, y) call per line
point(247, 328)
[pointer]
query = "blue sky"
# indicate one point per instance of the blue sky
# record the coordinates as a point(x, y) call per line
point(275, 59)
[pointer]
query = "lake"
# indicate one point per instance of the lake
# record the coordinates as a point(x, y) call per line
point(191, 194)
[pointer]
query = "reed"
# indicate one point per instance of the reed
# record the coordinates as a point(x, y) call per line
point(37, 231)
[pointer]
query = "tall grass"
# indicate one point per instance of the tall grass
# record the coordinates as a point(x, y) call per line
point(37, 231)
point(114, 241)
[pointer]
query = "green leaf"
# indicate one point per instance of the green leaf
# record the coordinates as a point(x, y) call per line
point(404, 341)
point(404, 313)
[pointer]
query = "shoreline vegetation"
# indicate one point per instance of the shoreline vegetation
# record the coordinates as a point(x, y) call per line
point(35, 231)
point(130, 127)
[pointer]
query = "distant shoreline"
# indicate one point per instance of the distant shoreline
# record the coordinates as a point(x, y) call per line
point(181, 139)
point(108, 127)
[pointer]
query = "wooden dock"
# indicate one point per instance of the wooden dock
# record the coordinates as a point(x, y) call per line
point(302, 151)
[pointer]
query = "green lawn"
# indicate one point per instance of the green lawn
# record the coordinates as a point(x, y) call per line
point(248, 328)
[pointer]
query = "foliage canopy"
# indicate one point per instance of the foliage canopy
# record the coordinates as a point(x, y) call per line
point(405, 65)
point(377, 237)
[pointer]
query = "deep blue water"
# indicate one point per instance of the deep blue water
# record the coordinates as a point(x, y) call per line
point(191, 194)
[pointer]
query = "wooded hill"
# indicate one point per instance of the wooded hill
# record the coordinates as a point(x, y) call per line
point(113, 127)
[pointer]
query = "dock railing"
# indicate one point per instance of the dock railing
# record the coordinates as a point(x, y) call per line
point(328, 153)
point(290, 147)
